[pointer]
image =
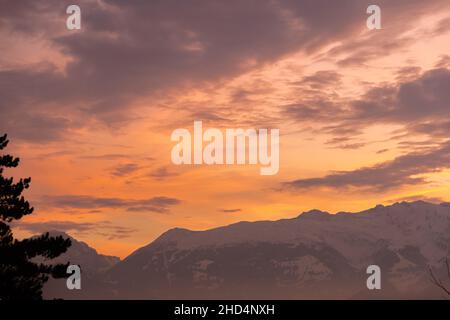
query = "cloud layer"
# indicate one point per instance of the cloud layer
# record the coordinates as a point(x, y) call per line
point(155, 204)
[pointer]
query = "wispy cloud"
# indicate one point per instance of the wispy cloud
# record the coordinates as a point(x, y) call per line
point(200, 46)
point(155, 204)
point(103, 228)
point(230, 210)
point(401, 171)
point(416, 101)
point(162, 173)
point(125, 169)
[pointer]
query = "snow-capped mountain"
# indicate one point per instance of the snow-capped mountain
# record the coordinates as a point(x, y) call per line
point(315, 255)
point(93, 265)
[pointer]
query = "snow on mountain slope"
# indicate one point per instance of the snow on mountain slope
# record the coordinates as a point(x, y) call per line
point(316, 255)
point(402, 224)
point(82, 254)
point(92, 265)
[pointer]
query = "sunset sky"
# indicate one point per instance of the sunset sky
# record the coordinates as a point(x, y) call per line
point(364, 115)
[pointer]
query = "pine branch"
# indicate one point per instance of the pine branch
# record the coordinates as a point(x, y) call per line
point(44, 245)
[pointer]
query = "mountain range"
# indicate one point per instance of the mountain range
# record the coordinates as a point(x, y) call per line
point(316, 255)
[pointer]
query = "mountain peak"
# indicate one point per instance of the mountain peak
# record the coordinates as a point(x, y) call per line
point(174, 234)
point(313, 256)
point(314, 213)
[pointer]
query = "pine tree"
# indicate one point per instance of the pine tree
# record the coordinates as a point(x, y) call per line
point(20, 276)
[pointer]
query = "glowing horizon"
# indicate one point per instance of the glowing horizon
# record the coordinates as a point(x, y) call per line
point(90, 113)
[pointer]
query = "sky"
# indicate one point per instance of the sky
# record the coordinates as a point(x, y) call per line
point(363, 114)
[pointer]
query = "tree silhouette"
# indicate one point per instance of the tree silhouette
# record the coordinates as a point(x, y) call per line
point(438, 282)
point(20, 277)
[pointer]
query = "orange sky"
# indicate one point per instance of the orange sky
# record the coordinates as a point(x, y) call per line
point(106, 177)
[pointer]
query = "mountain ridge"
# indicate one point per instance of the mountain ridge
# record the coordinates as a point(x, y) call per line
point(313, 255)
